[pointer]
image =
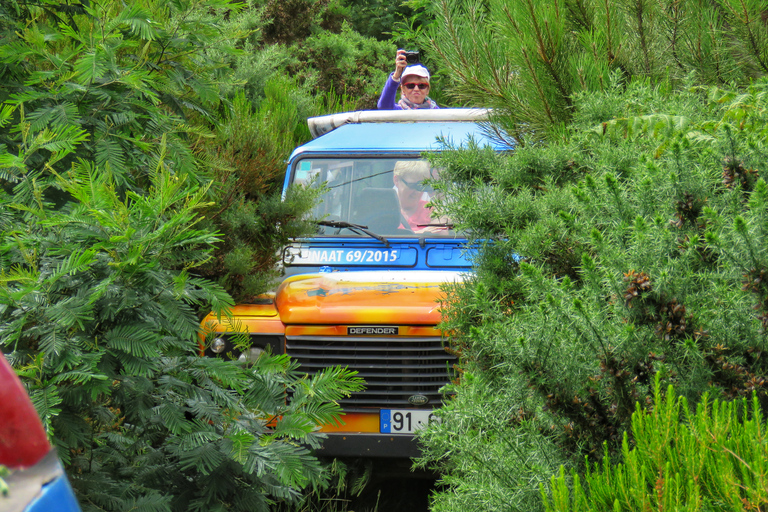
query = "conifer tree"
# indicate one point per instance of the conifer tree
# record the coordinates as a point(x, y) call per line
point(527, 59)
point(619, 241)
point(633, 248)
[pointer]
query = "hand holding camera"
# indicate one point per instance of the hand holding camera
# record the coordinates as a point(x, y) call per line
point(405, 58)
point(412, 57)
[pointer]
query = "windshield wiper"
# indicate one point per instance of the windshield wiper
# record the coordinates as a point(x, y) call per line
point(355, 228)
point(449, 225)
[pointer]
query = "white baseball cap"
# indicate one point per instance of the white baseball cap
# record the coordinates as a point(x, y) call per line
point(416, 70)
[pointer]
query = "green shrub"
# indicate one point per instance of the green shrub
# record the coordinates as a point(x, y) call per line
point(98, 315)
point(528, 59)
point(675, 459)
point(630, 249)
point(103, 186)
point(344, 63)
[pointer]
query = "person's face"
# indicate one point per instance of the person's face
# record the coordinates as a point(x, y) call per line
point(415, 88)
point(409, 191)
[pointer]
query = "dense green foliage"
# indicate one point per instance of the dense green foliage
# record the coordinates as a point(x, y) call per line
point(623, 239)
point(631, 248)
point(624, 274)
point(99, 316)
point(141, 161)
point(527, 59)
point(713, 459)
point(135, 146)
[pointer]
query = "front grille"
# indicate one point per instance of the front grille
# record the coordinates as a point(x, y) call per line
point(394, 369)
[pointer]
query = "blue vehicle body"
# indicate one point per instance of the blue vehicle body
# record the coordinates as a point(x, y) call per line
point(56, 496)
point(363, 292)
point(408, 139)
point(43, 487)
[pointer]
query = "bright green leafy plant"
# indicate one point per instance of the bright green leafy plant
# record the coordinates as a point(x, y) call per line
point(710, 459)
point(105, 225)
point(99, 316)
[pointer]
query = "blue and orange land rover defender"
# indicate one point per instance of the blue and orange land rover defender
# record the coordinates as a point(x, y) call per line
point(363, 291)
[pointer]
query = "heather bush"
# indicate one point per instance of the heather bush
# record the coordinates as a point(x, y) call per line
point(629, 250)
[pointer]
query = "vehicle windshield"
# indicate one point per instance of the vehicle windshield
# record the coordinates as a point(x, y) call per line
point(387, 196)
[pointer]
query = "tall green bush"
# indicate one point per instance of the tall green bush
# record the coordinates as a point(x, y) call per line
point(99, 303)
point(710, 459)
point(128, 78)
point(634, 247)
point(106, 222)
point(344, 63)
point(527, 59)
point(250, 147)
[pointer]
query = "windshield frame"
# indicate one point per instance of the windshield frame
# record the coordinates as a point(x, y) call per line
point(442, 233)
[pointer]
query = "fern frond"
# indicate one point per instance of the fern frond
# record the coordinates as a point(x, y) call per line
point(60, 138)
point(241, 441)
point(46, 401)
point(135, 365)
point(653, 125)
point(198, 438)
point(70, 312)
point(77, 261)
point(133, 340)
point(53, 343)
point(173, 418)
point(139, 21)
point(6, 115)
point(150, 502)
point(64, 113)
point(203, 459)
point(295, 426)
point(109, 154)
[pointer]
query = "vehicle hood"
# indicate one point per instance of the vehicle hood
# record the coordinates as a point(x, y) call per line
point(366, 297)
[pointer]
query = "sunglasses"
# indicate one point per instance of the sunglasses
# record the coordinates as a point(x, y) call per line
point(416, 185)
point(412, 86)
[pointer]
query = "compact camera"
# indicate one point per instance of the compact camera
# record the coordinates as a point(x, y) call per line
point(412, 57)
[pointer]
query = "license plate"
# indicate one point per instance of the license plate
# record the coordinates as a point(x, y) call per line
point(404, 421)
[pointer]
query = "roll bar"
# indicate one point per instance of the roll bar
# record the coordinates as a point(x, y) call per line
point(324, 124)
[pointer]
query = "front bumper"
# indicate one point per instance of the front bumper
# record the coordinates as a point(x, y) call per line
point(359, 444)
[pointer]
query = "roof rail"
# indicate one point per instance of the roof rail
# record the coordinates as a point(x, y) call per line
point(321, 125)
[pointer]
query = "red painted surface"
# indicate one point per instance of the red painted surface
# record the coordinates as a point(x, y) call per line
point(22, 438)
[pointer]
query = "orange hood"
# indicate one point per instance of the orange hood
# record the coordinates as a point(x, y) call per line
point(367, 297)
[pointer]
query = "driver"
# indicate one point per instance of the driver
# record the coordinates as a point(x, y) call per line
point(408, 178)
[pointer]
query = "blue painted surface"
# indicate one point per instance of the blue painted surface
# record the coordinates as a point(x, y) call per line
point(56, 496)
point(400, 137)
point(388, 140)
point(336, 254)
point(432, 254)
point(394, 138)
point(385, 421)
point(450, 256)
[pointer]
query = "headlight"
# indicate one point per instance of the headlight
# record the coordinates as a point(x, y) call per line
point(218, 345)
point(252, 354)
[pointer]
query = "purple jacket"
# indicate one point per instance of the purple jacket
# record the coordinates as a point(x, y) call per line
point(387, 98)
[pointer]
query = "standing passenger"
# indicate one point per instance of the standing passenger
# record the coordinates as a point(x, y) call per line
point(414, 87)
